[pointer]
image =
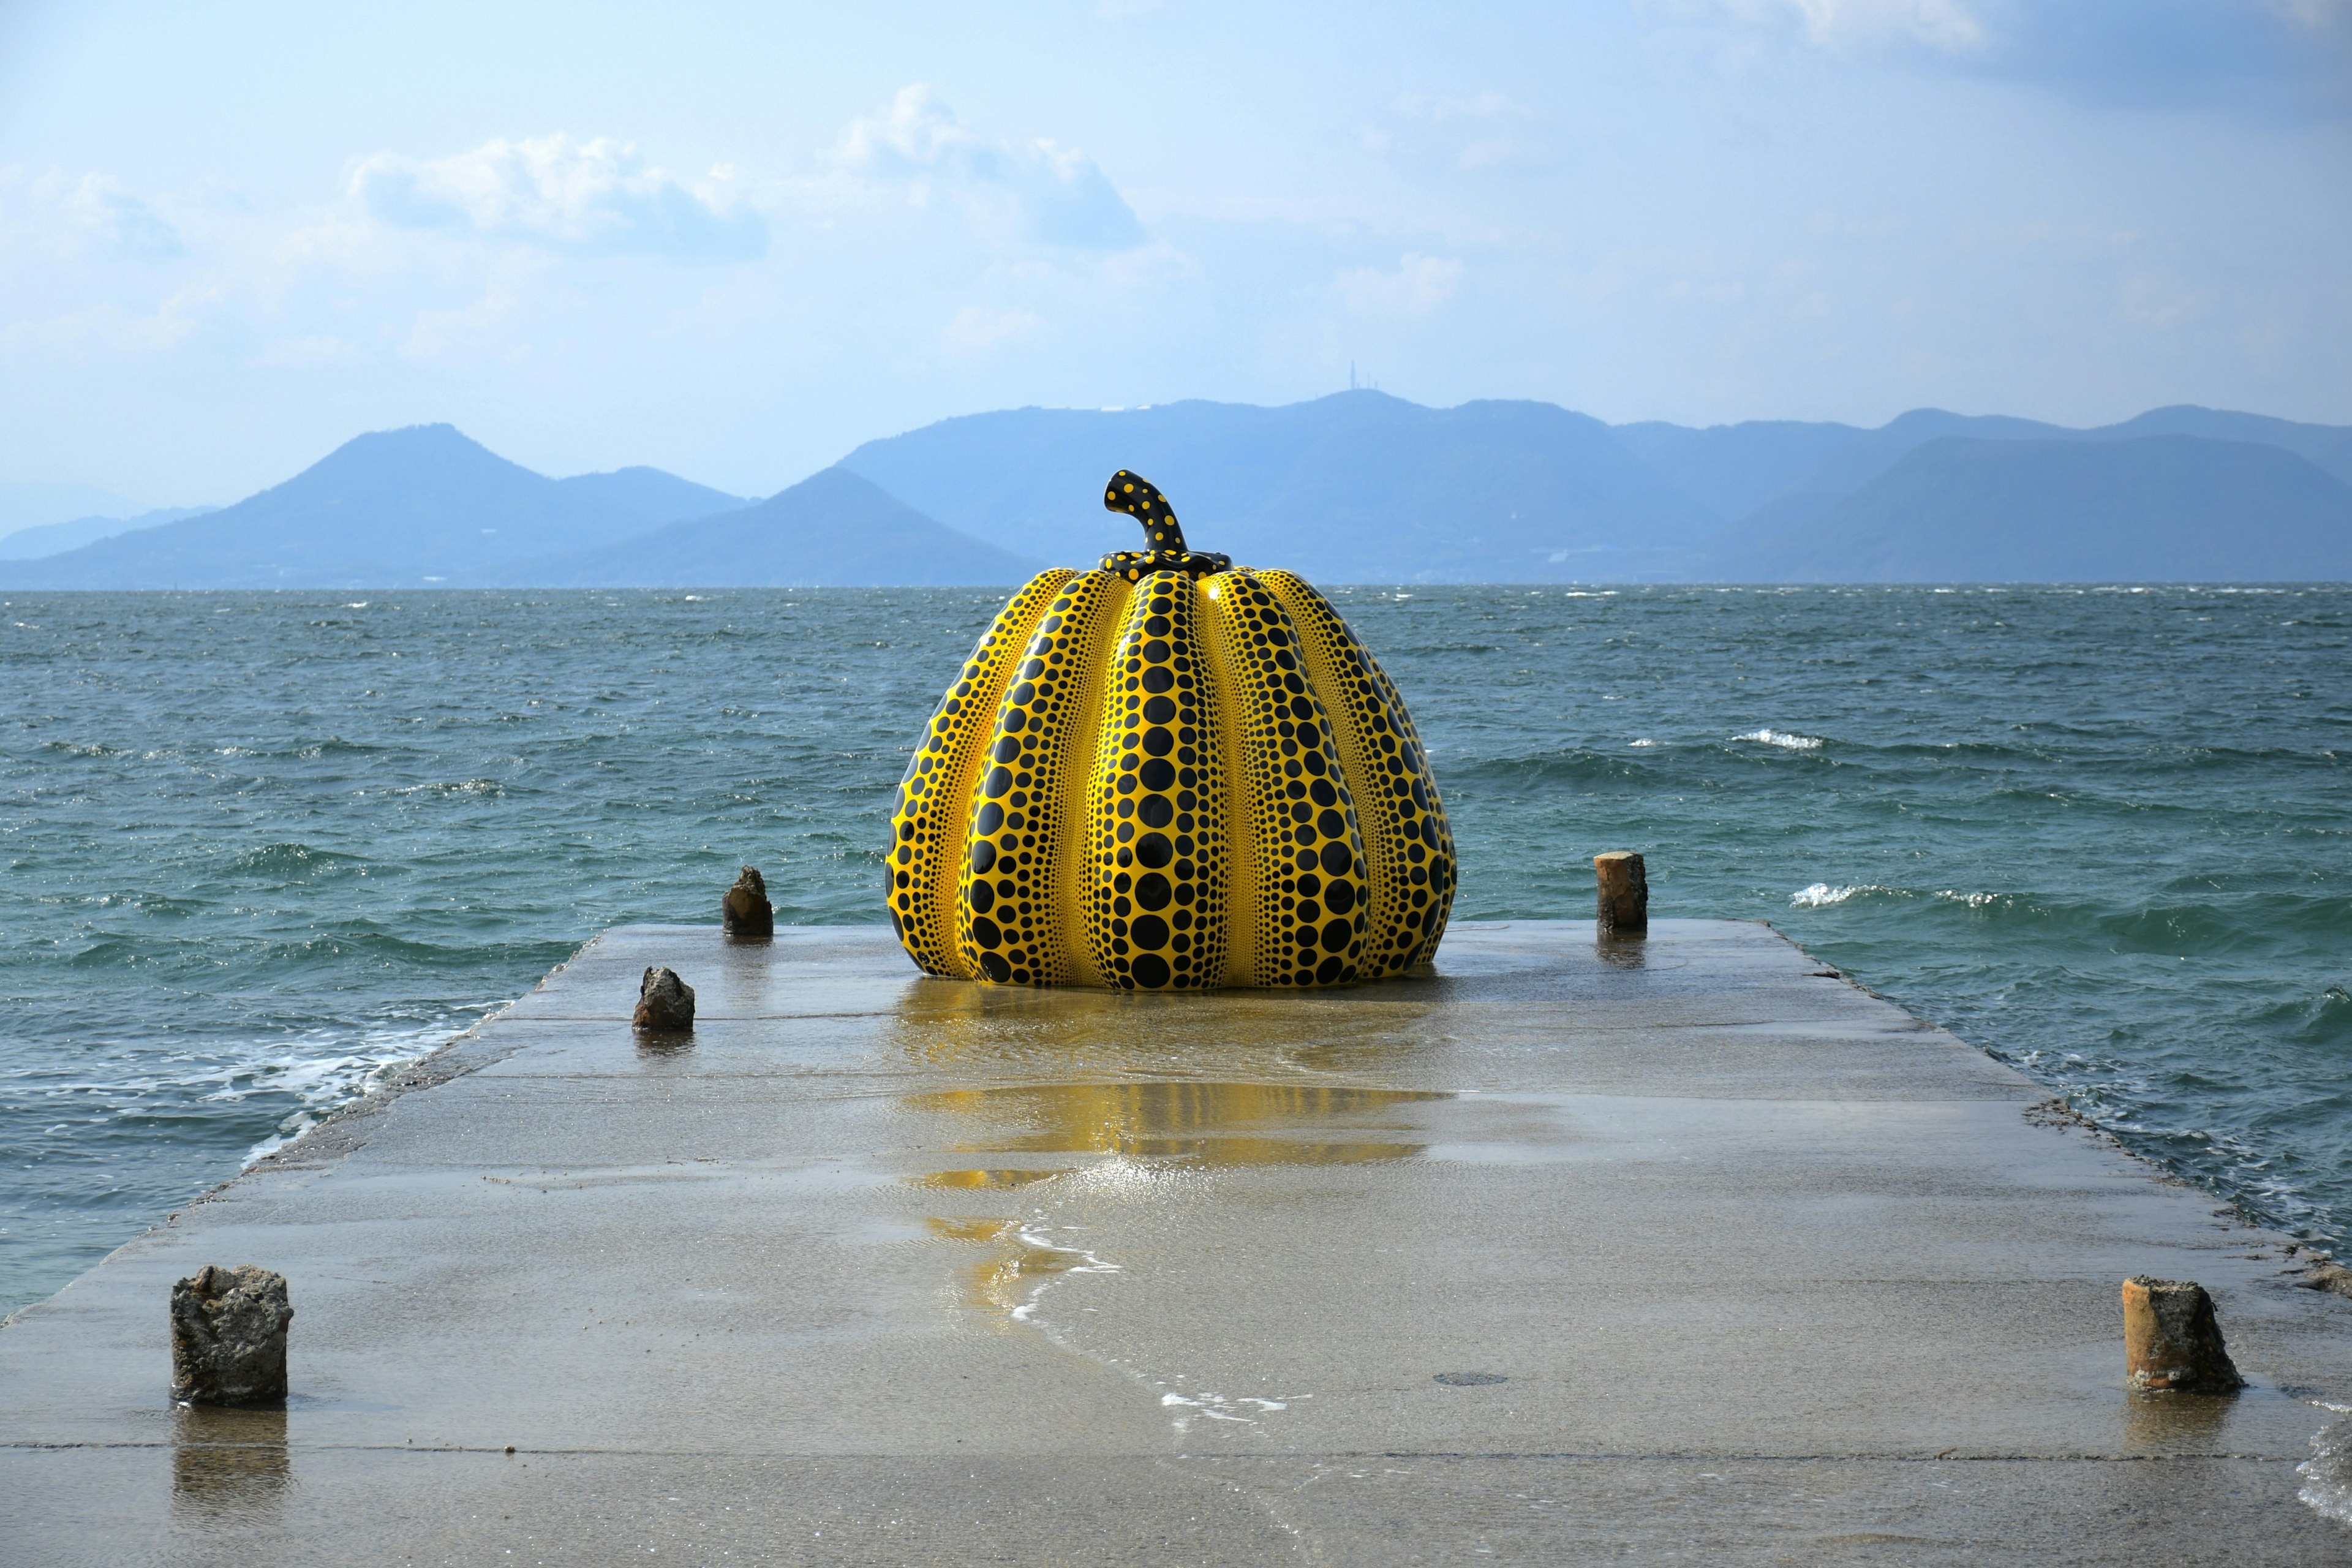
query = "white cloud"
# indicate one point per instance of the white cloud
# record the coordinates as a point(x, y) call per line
point(1035, 191)
point(320, 349)
point(977, 330)
point(580, 198)
point(1418, 286)
point(1484, 132)
point(121, 224)
point(91, 217)
point(1951, 26)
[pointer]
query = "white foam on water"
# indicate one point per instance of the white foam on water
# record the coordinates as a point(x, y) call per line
point(2328, 1474)
point(323, 1073)
point(1033, 1235)
point(1821, 896)
point(1645, 740)
point(1783, 740)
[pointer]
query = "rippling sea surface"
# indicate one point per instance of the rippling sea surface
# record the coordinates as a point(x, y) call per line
point(259, 848)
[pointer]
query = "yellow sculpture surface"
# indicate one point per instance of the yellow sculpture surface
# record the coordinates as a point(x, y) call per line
point(1171, 773)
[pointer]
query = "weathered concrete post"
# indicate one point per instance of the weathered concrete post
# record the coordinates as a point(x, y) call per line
point(228, 1335)
point(664, 1002)
point(745, 910)
point(2172, 1339)
point(1624, 894)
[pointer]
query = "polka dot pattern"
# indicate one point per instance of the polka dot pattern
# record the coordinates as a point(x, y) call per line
point(934, 800)
point(1010, 927)
point(1406, 838)
point(1136, 496)
point(1155, 915)
point(1169, 775)
point(1313, 892)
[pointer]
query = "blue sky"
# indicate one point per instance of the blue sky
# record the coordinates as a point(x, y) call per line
point(735, 240)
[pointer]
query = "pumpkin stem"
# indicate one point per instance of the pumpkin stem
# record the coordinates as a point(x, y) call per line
point(1133, 494)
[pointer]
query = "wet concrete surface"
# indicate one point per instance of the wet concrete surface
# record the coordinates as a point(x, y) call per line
point(1679, 1250)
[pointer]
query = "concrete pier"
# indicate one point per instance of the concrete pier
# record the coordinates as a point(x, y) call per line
point(1683, 1250)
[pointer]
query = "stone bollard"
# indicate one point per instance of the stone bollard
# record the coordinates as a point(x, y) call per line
point(228, 1335)
point(664, 1002)
point(2171, 1339)
point(745, 910)
point(1624, 894)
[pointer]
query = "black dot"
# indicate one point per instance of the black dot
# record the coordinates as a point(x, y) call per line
point(1158, 710)
point(1159, 742)
point(1153, 892)
point(1148, 930)
point(1332, 824)
point(985, 933)
point(1336, 935)
point(1341, 898)
point(1154, 850)
point(1158, 774)
point(1151, 971)
point(1322, 790)
point(1337, 860)
point(1158, 677)
point(1156, 812)
point(983, 855)
point(1328, 972)
point(993, 965)
point(983, 898)
point(999, 781)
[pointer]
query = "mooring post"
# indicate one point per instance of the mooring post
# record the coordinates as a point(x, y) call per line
point(228, 1335)
point(1624, 908)
point(665, 1003)
point(745, 910)
point(2172, 1342)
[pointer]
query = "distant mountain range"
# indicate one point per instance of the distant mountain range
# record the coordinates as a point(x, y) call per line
point(1356, 487)
point(56, 538)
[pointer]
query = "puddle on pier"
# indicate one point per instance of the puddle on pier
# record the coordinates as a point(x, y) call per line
point(1005, 1285)
point(1134, 1127)
point(1201, 1124)
point(1384, 1029)
point(229, 1466)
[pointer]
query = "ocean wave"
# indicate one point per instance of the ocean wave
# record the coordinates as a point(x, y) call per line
point(287, 857)
point(466, 787)
point(323, 1071)
point(1821, 896)
point(2328, 1474)
point(1783, 740)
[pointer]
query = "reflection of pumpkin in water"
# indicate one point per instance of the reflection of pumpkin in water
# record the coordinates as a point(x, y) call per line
point(1169, 773)
point(1189, 1119)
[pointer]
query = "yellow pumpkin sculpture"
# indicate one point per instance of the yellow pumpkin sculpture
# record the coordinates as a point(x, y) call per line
point(1170, 774)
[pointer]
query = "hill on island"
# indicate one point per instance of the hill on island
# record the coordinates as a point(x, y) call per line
point(55, 538)
point(832, 529)
point(2151, 508)
point(1356, 487)
point(411, 507)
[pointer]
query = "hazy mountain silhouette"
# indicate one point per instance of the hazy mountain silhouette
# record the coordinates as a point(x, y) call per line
point(2146, 508)
point(53, 537)
point(1738, 471)
point(832, 529)
point(1356, 487)
point(407, 508)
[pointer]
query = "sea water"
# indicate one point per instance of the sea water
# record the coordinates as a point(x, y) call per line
point(259, 848)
